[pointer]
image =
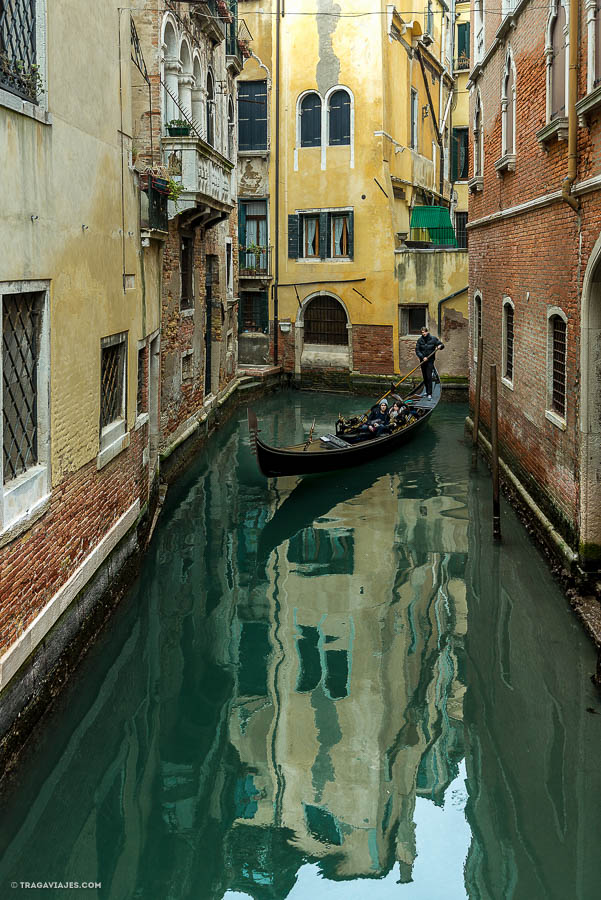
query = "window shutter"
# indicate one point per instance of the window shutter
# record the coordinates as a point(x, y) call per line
point(293, 236)
point(463, 40)
point(454, 154)
point(241, 225)
point(323, 235)
point(351, 234)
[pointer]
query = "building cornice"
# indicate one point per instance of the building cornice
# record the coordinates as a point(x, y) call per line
point(580, 188)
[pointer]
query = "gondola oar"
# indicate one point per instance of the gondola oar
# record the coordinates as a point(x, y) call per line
point(395, 386)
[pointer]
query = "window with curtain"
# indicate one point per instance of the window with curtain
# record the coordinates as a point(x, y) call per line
point(252, 235)
point(460, 156)
point(340, 118)
point(340, 236)
point(478, 142)
point(310, 121)
point(311, 236)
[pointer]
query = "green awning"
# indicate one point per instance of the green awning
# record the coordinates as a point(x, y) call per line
point(437, 221)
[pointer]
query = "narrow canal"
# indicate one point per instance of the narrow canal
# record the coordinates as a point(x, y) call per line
point(320, 682)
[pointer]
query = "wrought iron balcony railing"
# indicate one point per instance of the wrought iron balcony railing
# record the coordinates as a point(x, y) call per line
point(462, 63)
point(153, 205)
point(255, 262)
point(19, 71)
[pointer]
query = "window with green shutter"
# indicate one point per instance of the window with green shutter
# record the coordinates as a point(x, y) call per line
point(310, 121)
point(460, 154)
point(252, 115)
point(340, 118)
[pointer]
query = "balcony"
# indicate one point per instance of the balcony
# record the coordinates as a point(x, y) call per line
point(153, 207)
point(207, 18)
point(233, 51)
point(255, 262)
point(205, 175)
point(462, 64)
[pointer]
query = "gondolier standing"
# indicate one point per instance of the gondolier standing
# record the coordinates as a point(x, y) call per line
point(426, 347)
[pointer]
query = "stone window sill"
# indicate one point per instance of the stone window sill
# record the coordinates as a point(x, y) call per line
point(507, 383)
point(141, 421)
point(25, 108)
point(25, 500)
point(475, 184)
point(112, 450)
point(589, 104)
point(556, 419)
point(264, 153)
point(187, 311)
point(505, 164)
point(555, 130)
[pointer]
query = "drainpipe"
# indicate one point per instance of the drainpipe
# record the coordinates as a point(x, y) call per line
point(277, 187)
point(566, 187)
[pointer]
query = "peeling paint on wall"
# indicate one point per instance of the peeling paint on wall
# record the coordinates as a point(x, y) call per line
point(328, 67)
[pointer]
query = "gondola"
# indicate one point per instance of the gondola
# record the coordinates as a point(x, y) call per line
point(345, 448)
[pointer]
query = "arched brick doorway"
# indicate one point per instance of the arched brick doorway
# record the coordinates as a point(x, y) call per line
point(324, 334)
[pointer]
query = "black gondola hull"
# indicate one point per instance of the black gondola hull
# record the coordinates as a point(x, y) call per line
point(279, 461)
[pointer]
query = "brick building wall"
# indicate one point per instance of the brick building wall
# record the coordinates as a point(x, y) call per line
point(537, 256)
point(372, 349)
point(83, 508)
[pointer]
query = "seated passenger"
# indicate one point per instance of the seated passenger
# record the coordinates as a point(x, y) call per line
point(378, 420)
point(398, 413)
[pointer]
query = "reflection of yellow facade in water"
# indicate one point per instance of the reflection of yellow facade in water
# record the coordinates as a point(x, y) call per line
point(360, 704)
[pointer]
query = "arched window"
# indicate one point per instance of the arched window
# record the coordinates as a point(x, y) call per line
point(508, 108)
point(325, 322)
point(171, 68)
point(556, 362)
point(310, 120)
point(557, 60)
point(210, 110)
point(339, 118)
point(595, 62)
point(478, 138)
point(508, 323)
point(477, 323)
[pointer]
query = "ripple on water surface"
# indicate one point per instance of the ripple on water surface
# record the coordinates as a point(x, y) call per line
point(331, 687)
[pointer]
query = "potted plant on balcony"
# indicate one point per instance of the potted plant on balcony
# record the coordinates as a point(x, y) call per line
point(244, 48)
point(252, 255)
point(224, 11)
point(178, 128)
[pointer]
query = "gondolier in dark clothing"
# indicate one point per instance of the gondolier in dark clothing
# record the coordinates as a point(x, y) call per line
point(426, 346)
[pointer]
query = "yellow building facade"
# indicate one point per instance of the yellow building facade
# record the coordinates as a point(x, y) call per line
point(344, 129)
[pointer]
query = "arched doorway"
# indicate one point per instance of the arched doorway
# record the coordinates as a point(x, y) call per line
point(590, 413)
point(325, 334)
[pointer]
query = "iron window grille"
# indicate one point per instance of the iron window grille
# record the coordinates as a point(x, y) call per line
point(508, 342)
point(19, 71)
point(142, 395)
point(558, 396)
point(112, 383)
point(461, 230)
point(325, 322)
point(19, 384)
point(253, 312)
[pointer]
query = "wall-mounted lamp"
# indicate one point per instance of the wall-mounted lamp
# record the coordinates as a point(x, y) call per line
point(33, 218)
point(285, 327)
point(84, 227)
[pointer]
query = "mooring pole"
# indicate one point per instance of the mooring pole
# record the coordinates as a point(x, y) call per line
point(477, 400)
point(494, 441)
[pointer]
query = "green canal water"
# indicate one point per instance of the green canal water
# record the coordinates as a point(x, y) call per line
point(336, 687)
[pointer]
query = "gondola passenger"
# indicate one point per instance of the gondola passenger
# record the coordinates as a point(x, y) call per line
point(378, 420)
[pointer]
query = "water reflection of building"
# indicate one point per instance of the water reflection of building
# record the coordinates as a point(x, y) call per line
point(533, 787)
point(348, 703)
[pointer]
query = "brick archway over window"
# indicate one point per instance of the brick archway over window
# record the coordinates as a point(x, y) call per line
point(325, 322)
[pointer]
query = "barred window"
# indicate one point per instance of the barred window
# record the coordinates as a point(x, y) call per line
point(19, 67)
point(112, 379)
point(19, 384)
point(187, 272)
point(325, 322)
point(559, 346)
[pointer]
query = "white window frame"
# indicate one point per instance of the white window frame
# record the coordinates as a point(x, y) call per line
point(551, 414)
point(553, 10)
point(509, 67)
point(592, 76)
point(508, 382)
point(414, 121)
point(114, 436)
point(478, 31)
point(24, 497)
point(478, 146)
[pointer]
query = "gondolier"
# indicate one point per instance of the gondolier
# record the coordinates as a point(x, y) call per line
point(426, 348)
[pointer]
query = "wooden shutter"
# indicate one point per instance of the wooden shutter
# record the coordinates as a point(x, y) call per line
point(463, 40)
point(323, 235)
point(310, 125)
point(293, 236)
point(340, 118)
point(241, 225)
